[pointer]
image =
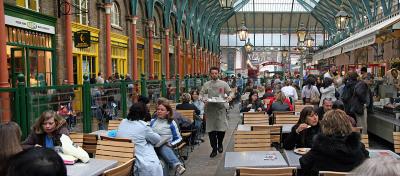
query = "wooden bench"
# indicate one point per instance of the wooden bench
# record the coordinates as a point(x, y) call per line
point(252, 140)
point(364, 140)
point(124, 169)
point(332, 173)
point(275, 131)
point(113, 124)
point(299, 108)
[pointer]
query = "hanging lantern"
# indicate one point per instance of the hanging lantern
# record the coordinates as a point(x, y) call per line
point(342, 19)
point(309, 41)
point(248, 47)
point(285, 52)
point(243, 32)
point(226, 4)
point(301, 32)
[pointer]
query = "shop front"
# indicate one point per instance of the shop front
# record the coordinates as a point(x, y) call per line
point(119, 54)
point(30, 46)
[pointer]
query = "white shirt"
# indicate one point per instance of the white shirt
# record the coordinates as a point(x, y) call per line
point(290, 91)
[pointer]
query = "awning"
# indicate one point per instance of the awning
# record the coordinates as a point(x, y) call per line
point(358, 40)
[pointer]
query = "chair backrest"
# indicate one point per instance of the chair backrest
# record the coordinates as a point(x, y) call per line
point(255, 118)
point(299, 108)
point(283, 171)
point(298, 102)
point(364, 140)
point(115, 150)
point(90, 143)
point(252, 141)
point(332, 173)
point(77, 138)
point(189, 114)
point(357, 129)
point(153, 108)
point(275, 131)
point(113, 124)
point(396, 141)
point(122, 170)
point(286, 119)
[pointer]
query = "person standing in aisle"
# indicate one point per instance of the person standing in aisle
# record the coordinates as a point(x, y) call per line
point(216, 123)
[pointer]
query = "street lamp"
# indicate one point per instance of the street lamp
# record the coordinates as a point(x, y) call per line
point(248, 47)
point(226, 4)
point(243, 32)
point(301, 32)
point(309, 41)
point(341, 19)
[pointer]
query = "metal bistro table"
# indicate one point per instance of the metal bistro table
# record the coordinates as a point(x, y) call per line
point(292, 158)
point(93, 168)
point(100, 133)
point(382, 153)
point(287, 128)
point(254, 159)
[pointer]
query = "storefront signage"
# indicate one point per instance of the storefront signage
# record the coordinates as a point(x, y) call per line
point(82, 39)
point(333, 52)
point(359, 43)
point(26, 24)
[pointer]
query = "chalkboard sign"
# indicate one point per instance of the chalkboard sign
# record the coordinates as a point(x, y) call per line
point(82, 39)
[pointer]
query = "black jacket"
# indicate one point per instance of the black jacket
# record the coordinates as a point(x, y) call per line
point(334, 153)
point(304, 139)
point(254, 106)
point(278, 106)
point(320, 112)
point(188, 106)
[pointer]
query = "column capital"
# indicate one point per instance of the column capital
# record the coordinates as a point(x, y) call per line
point(150, 23)
point(134, 19)
point(178, 37)
point(107, 7)
point(194, 45)
point(166, 30)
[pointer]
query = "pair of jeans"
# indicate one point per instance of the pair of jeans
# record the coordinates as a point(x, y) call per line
point(169, 156)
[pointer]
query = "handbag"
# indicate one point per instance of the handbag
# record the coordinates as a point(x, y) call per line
point(314, 98)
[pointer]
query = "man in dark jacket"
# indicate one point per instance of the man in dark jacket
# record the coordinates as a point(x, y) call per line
point(356, 95)
point(326, 106)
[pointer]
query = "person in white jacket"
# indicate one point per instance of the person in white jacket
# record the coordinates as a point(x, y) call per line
point(327, 91)
point(290, 91)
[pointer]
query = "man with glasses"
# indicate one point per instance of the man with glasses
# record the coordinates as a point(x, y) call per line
point(326, 106)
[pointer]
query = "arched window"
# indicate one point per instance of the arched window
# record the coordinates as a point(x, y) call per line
point(115, 15)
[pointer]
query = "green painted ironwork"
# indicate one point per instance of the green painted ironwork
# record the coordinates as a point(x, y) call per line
point(20, 109)
point(86, 99)
point(163, 86)
point(143, 85)
point(177, 85)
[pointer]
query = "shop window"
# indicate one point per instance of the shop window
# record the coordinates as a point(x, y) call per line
point(40, 68)
point(115, 14)
point(119, 60)
point(140, 65)
point(29, 4)
point(81, 11)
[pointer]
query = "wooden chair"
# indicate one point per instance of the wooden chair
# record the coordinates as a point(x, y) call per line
point(113, 124)
point(299, 108)
point(332, 173)
point(357, 129)
point(90, 143)
point(122, 170)
point(189, 114)
point(252, 141)
point(187, 134)
point(298, 102)
point(255, 118)
point(111, 149)
point(77, 138)
point(275, 131)
point(286, 119)
point(283, 171)
point(364, 140)
point(396, 141)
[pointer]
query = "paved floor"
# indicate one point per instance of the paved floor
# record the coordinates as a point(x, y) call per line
point(200, 163)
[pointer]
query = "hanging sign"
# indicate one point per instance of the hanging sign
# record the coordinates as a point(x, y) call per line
point(82, 39)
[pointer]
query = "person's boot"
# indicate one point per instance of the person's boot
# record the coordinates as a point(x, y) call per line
point(213, 153)
point(213, 142)
point(220, 137)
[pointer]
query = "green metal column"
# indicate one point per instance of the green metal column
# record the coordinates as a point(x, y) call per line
point(21, 105)
point(86, 100)
point(163, 86)
point(186, 83)
point(143, 85)
point(177, 85)
point(124, 95)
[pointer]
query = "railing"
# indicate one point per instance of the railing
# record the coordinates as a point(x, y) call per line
point(87, 107)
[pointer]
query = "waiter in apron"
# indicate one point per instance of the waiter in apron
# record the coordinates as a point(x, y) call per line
point(216, 123)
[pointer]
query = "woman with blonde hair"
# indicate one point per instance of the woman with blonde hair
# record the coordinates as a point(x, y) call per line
point(10, 137)
point(336, 149)
point(281, 103)
point(46, 131)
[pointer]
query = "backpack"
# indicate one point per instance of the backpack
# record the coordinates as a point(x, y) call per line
point(314, 98)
